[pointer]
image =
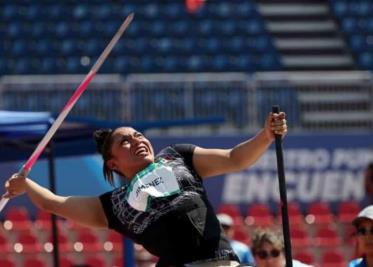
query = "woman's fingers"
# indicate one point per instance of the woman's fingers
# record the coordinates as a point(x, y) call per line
point(14, 186)
point(279, 123)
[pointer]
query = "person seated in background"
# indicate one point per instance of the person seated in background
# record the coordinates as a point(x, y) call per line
point(364, 231)
point(241, 249)
point(269, 250)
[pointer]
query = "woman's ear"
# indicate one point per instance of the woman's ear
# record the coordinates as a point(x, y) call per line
point(111, 165)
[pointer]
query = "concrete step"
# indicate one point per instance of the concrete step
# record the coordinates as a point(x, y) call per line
point(301, 26)
point(293, 9)
point(315, 61)
point(337, 116)
point(308, 43)
point(333, 97)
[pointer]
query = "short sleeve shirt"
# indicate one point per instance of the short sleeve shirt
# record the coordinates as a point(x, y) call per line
point(165, 208)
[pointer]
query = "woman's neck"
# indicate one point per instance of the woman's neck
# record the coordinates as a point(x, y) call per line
point(369, 259)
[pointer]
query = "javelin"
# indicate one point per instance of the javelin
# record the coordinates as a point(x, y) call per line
point(26, 168)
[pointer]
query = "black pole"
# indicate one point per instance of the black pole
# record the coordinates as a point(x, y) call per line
point(52, 187)
point(283, 197)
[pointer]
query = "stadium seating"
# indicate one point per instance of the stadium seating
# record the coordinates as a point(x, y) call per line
point(5, 246)
point(332, 258)
point(305, 256)
point(357, 26)
point(87, 241)
point(296, 217)
point(43, 221)
point(191, 43)
point(66, 262)
point(230, 209)
point(17, 219)
point(299, 237)
point(113, 242)
point(64, 243)
point(35, 262)
point(319, 213)
point(259, 215)
point(27, 243)
point(7, 262)
point(327, 237)
point(96, 261)
point(347, 211)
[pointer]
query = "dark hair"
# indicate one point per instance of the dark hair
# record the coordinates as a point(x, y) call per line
point(103, 146)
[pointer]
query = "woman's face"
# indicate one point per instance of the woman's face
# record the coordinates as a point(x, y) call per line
point(269, 256)
point(131, 152)
point(365, 236)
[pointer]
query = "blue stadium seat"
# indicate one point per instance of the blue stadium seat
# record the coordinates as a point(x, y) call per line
point(219, 63)
point(15, 30)
point(185, 46)
point(33, 12)
point(100, 12)
point(87, 28)
point(48, 65)
point(263, 43)
point(205, 27)
point(357, 42)
point(195, 63)
point(62, 29)
point(359, 8)
point(168, 36)
point(235, 45)
point(170, 64)
point(227, 27)
point(147, 64)
point(58, 12)
point(81, 11)
point(173, 10)
point(269, 62)
point(151, 11)
point(157, 28)
point(365, 60)
point(244, 63)
point(244, 9)
point(20, 48)
point(120, 64)
point(38, 29)
point(8, 12)
point(67, 47)
point(210, 45)
point(178, 28)
point(73, 65)
point(223, 10)
point(252, 27)
point(22, 66)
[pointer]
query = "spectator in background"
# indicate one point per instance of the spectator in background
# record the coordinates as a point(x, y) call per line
point(364, 232)
point(241, 249)
point(368, 181)
point(269, 250)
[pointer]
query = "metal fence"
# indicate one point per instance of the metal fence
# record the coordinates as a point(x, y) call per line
point(317, 101)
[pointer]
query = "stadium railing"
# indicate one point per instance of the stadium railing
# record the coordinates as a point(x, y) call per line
point(325, 101)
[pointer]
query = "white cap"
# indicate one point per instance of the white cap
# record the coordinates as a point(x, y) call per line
point(225, 219)
point(366, 213)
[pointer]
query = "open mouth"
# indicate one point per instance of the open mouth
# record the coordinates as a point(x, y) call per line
point(141, 151)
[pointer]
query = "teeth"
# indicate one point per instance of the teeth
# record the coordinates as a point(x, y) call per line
point(139, 151)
